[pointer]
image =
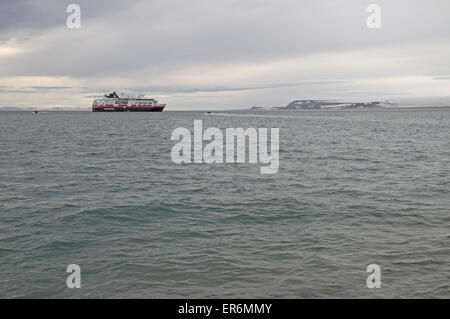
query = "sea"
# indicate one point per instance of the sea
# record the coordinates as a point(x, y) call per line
point(100, 190)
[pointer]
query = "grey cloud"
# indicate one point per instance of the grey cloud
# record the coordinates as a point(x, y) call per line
point(51, 87)
point(32, 89)
point(156, 89)
point(165, 35)
point(24, 18)
point(21, 91)
point(141, 42)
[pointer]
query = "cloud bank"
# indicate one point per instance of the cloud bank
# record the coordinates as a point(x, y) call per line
point(222, 54)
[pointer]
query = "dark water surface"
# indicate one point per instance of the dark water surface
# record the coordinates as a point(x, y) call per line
point(100, 190)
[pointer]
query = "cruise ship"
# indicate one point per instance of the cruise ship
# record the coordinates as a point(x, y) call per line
point(114, 103)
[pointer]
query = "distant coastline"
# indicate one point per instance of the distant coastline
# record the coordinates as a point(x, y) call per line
point(325, 104)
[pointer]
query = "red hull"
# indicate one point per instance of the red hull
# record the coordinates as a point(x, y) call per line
point(128, 108)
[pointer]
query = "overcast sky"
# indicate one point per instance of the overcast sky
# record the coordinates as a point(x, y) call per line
point(222, 54)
